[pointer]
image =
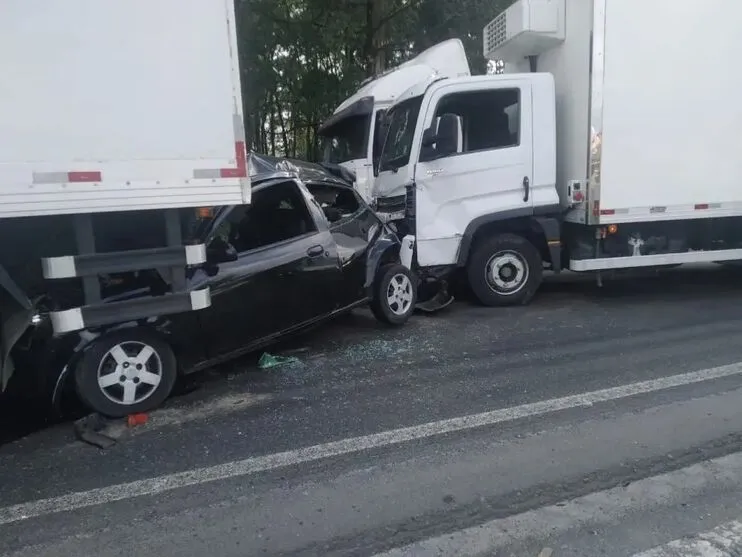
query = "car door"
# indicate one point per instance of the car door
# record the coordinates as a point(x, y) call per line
point(352, 224)
point(284, 274)
point(491, 172)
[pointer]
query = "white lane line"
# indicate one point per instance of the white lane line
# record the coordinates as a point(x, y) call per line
point(153, 486)
point(723, 541)
point(600, 510)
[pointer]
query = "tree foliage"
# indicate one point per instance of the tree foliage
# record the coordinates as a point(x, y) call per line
point(301, 58)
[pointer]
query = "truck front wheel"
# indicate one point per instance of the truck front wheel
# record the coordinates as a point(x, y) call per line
point(505, 270)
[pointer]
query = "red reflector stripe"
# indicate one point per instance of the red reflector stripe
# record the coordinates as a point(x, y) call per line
point(607, 212)
point(241, 170)
point(702, 206)
point(84, 177)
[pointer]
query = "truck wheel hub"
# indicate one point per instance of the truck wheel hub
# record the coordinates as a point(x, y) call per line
point(506, 272)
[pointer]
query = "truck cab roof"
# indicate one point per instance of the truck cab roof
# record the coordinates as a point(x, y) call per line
point(446, 59)
point(420, 88)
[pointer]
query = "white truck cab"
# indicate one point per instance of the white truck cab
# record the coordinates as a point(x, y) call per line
point(466, 156)
point(590, 156)
point(353, 135)
point(471, 150)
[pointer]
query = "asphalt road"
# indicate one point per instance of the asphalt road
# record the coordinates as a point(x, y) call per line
point(592, 422)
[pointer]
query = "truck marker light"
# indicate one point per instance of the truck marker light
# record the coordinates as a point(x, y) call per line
point(612, 228)
point(701, 206)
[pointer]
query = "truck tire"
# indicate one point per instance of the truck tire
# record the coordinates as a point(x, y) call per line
point(395, 294)
point(505, 270)
point(127, 372)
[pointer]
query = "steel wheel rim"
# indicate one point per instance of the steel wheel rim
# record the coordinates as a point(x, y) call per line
point(129, 373)
point(506, 272)
point(399, 294)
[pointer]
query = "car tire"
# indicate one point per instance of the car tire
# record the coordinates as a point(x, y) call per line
point(395, 294)
point(127, 372)
point(505, 270)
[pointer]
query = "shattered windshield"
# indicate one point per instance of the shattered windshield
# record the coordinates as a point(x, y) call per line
point(347, 140)
point(401, 121)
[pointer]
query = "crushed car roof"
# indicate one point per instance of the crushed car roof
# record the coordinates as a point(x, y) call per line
point(265, 167)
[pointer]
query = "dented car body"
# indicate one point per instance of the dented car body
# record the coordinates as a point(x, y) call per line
point(306, 249)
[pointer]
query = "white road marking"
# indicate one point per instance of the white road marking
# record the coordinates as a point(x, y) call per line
point(598, 510)
point(724, 541)
point(153, 486)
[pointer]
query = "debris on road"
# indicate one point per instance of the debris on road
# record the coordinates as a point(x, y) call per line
point(268, 361)
point(98, 431)
point(134, 420)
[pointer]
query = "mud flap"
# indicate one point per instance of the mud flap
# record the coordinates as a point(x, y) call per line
point(441, 300)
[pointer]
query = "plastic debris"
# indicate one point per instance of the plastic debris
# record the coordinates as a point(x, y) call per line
point(133, 420)
point(268, 361)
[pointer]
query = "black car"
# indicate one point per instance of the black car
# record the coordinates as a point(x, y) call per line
point(306, 249)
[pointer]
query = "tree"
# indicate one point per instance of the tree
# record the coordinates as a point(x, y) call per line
point(301, 58)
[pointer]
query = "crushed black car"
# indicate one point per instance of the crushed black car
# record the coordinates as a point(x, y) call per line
point(305, 250)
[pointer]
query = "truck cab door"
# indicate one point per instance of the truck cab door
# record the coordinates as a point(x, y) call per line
point(487, 173)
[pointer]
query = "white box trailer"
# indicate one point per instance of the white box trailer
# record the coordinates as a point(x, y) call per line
point(119, 105)
point(610, 142)
point(647, 112)
point(113, 114)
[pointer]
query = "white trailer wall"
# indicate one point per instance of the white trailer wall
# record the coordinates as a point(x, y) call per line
point(146, 92)
point(672, 110)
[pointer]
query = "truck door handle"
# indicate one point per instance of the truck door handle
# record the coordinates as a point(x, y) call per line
point(315, 251)
point(526, 188)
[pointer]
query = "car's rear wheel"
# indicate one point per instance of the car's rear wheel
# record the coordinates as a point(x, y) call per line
point(125, 373)
point(395, 294)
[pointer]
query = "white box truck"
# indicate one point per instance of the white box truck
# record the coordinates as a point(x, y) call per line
point(112, 114)
point(610, 142)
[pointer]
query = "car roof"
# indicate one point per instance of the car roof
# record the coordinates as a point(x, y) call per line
point(262, 168)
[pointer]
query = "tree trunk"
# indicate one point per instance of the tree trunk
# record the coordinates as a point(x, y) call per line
point(282, 124)
point(272, 123)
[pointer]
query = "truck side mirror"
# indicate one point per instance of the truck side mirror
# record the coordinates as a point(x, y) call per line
point(448, 138)
point(429, 137)
point(443, 138)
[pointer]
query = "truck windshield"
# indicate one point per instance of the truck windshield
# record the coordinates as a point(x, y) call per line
point(401, 121)
point(347, 140)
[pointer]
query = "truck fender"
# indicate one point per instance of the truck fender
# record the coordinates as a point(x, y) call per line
point(485, 220)
point(516, 221)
